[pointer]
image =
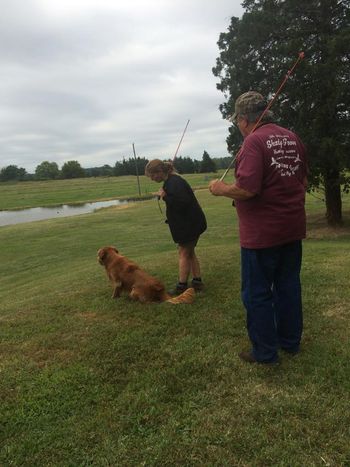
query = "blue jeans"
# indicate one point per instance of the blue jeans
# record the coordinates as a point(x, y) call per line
point(271, 294)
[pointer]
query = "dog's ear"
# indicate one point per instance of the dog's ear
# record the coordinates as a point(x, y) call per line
point(101, 253)
point(114, 248)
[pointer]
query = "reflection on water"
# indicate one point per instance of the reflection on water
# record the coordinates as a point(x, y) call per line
point(36, 214)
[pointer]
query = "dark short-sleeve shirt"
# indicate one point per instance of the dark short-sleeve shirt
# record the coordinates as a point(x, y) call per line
point(184, 215)
point(272, 165)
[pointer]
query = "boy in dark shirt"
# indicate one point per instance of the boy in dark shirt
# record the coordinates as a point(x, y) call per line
point(185, 218)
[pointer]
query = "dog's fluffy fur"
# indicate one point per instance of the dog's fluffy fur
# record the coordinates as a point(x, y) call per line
point(128, 276)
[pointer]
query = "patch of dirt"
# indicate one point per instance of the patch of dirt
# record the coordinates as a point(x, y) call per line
point(317, 227)
point(87, 315)
point(313, 232)
point(339, 311)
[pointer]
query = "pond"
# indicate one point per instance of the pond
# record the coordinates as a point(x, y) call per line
point(19, 216)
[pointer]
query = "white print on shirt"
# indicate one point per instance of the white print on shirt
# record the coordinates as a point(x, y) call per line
point(279, 141)
point(285, 157)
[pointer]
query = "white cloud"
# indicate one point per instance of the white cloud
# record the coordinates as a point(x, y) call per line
point(84, 79)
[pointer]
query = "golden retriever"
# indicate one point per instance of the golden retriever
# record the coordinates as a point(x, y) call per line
point(128, 276)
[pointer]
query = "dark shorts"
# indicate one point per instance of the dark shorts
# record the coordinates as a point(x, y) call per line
point(190, 244)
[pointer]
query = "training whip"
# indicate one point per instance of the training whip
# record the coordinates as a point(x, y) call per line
point(177, 149)
point(182, 137)
point(300, 57)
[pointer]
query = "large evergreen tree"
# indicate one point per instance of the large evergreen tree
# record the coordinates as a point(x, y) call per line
point(256, 53)
point(207, 164)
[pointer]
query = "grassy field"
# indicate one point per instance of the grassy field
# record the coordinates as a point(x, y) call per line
point(89, 381)
point(82, 190)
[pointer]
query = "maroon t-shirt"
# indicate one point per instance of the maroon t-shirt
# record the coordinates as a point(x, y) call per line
point(272, 164)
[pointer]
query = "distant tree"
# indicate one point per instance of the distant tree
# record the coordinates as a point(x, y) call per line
point(207, 164)
point(104, 171)
point(121, 168)
point(47, 171)
point(12, 172)
point(128, 167)
point(256, 52)
point(28, 177)
point(141, 163)
point(184, 165)
point(22, 173)
point(222, 162)
point(197, 166)
point(92, 172)
point(179, 165)
point(72, 169)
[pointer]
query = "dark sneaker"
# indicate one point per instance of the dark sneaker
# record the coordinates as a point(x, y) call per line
point(249, 358)
point(197, 285)
point(179, 289)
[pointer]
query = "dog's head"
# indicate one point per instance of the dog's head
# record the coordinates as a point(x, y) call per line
point(105, 252)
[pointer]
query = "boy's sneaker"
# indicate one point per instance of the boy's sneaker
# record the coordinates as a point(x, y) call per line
point(179, 289)
point(197, 284)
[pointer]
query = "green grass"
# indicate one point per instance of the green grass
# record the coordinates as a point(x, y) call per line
point(21, 195)
point(89, 381)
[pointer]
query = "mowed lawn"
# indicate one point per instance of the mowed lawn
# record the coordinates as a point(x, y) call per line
point(86, 380)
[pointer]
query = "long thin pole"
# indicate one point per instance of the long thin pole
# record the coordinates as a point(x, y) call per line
point(178, 146)
point(137, 170)
point(300, 57)
point(177, 149)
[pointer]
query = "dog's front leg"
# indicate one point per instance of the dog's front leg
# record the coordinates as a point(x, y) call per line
point(117, 289)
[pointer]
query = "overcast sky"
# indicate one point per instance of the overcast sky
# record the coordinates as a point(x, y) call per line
point(84, 79)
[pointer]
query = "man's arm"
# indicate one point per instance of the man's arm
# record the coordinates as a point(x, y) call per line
point(219, 188)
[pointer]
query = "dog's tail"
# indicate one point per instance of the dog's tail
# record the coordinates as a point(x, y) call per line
point(186, 297)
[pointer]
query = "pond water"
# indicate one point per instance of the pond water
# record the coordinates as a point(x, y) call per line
point(20, 216)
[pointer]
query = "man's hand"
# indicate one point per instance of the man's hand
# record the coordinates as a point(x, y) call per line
point(217, 187)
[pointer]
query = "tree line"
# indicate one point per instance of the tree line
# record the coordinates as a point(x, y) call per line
point(72, 169)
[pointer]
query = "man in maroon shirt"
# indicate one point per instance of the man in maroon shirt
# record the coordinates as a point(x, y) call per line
point(269, 194)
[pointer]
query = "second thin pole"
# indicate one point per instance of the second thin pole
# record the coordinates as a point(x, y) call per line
point(183, 134)
point(137, 170)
